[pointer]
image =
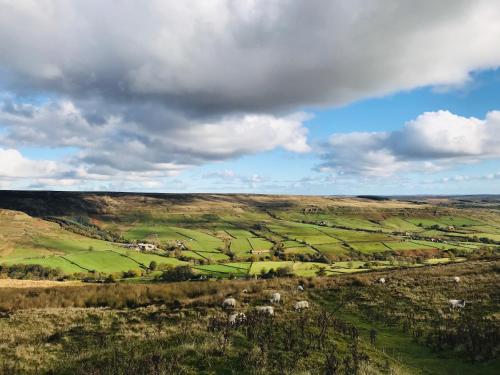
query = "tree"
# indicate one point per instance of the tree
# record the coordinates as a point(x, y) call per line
point(153, 265)
point(179, 273)
point(284, 271)
point(131, 273)
point(110, 279)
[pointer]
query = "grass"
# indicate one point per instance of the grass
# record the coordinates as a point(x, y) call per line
point(240, 245)
point(146, 259)
point(103, 261)
point(237, 269)
point(180, 328)
point(408, 245)
point(69, 243)
point(53, 261)
point(370, 247)
point(258, 267)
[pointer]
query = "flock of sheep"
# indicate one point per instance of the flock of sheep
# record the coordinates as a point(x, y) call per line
point(237, 317)
point(453, 303)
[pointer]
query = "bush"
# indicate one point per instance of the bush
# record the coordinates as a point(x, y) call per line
point(30, 272)
point(131, 273)
point(180, 273)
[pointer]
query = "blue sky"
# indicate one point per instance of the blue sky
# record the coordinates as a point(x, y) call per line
point(388, 113)
point(257, 98)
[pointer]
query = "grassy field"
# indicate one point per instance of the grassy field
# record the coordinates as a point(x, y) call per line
point(205, 231)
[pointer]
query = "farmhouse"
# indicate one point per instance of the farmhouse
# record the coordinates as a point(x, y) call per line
point(181, 245)
point(146, 246)
point(311, 210)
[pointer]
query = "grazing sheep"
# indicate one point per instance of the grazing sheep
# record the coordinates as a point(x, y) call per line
point(269, 310)
point(301, 305)
point(456, 303)
point(244, 291)
point(456, 279)
point(229, 303)
point(275, 298)
point(381, 280)
point(237, 318)
point(300, 288)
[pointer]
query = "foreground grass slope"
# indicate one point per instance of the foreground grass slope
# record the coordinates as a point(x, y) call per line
point(354, 326)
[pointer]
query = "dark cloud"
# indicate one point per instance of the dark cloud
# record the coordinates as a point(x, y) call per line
point(250, 56)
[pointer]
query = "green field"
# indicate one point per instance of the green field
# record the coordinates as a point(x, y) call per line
point(217, 232)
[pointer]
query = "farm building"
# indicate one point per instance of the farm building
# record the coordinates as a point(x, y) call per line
point(146, 246)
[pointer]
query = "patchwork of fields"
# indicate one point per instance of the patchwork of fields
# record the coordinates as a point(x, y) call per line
point(244, 236)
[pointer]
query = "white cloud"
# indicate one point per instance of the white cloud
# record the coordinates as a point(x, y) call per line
point(120, 143)
point(431, 142)
point(14, 165)
point(235, 181)
point(246, 135)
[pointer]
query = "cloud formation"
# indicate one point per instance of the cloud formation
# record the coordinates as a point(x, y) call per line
point(249, 56)
point(431, 142)
point(150, 89)
point(123, 144)
point(14, 165)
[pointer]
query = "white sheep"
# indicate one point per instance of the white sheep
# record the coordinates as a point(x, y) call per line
point(300, 288)
point(456, 279)
point(244, 291)
point(301, 305)
point(265, 310)
point(275, 298)
point(237, 318)
point(229, 303)
point(381, 280)
point(456, 303)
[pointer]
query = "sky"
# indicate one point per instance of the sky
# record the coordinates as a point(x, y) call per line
point(341, 97)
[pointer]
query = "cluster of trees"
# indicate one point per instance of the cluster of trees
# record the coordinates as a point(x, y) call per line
point(30, 272)
point(485, 240)
point(316, 257)
point(278, 272)
point(83, 226)
point(179, 273)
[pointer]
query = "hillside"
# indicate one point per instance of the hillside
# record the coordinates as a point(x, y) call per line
point(241, 235)
point(354, 325)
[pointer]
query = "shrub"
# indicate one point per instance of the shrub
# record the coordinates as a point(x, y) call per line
point(131, 273)
point(180, 273)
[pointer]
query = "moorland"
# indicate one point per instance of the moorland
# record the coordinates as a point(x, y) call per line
point(105, 283)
